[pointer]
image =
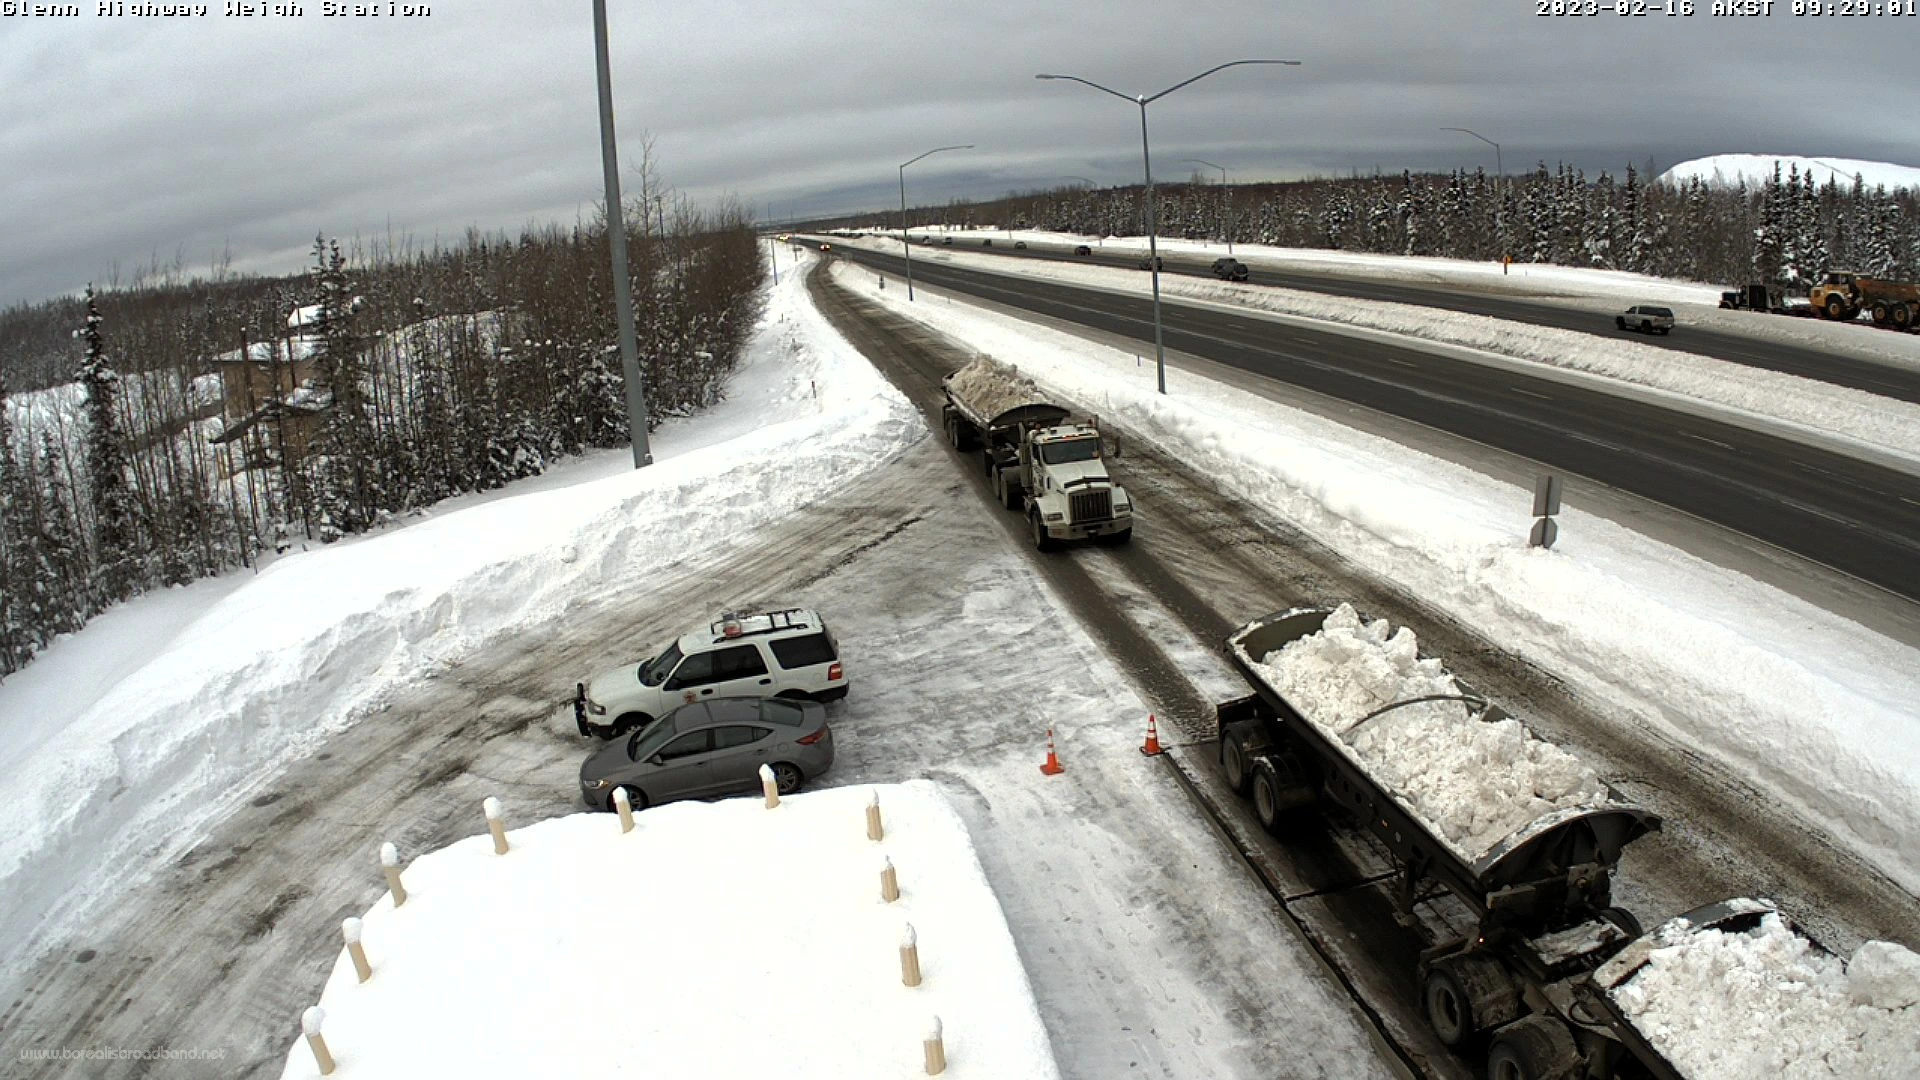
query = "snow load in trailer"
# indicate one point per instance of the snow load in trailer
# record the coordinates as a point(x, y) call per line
point(993, 394)
point(1733, 991)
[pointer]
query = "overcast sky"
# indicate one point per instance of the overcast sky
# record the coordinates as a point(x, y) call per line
point(130, 140)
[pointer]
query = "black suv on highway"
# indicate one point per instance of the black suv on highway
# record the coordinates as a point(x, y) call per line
point(1230, 269)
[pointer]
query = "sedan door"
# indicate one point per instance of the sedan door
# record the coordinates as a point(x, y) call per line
point(738, 752)
point(682, 769)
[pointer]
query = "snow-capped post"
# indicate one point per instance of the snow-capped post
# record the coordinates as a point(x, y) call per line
point(350, 929)
point(623, 805)
point(910, 958)
point(494, 825)
point(936, 1048)
point(1546, 503)
point(310, 1022)
point(769, 787)
point(390, 865)
point(889, 883)
point(875, 830)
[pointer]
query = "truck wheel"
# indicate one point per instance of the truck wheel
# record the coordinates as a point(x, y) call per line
point(1537, 1048)
point(1901, 316)
point(1836, 308)
point(986, 459)
point(1466, 994)
point(1266, 795)
point(1448, 1010)
point(1879, 310)
point(1235, 763)
point(1041, 541)
point(1115, 539)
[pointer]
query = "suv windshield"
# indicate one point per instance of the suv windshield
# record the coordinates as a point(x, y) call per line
point(1059, 453)
point(655, 671)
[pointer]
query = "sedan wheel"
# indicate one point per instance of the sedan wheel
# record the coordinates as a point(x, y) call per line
point(635, 798)
point(787, 778)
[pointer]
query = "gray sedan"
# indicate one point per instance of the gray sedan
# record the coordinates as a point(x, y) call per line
point(709, 749)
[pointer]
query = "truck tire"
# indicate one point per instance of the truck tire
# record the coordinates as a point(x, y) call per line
point(1236, 759)
point(1880, 311)
point(1537, 1048)
point(1009, 490)
point(1901, 316)
point(1265, 781)
point(1041, 541)
point(1835, 308)
point(1464, 995)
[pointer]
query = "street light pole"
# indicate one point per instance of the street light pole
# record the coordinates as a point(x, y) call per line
point(617, 240)
point(1499, 193)
point(905, 245)
point(1146, 164)
point(1224, 187)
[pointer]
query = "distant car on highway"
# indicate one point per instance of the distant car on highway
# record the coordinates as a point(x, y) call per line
point(946, 241)
point(1020, 245)
point(826, 247)
point(1230, 269)
point(1153, 263)
point(1646, 318)
point(986, 243)
point(709, 749)
point(1082, 249)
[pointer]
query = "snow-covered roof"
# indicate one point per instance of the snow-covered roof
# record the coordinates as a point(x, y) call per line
point(716, 938)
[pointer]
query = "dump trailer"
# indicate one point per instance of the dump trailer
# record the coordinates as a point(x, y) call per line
point(1039, 460)
point(1539, 896)
point(1843, 295)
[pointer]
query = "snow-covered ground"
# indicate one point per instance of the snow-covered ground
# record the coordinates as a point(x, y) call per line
point(202, 703)
point(1757, 169)
point(783, 950)
point(1819, 711)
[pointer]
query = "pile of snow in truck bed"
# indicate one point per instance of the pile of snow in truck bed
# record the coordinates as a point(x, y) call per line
point(993, 387)
point(1474, 783)
point(1766, 1003)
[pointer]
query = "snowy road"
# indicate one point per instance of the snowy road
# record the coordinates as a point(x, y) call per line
point(1201, 563)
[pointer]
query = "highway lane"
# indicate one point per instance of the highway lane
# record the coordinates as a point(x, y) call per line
point(1858, 517)
point(1883, 379)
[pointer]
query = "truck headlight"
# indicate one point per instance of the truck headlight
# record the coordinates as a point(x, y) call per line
point(1056, 517)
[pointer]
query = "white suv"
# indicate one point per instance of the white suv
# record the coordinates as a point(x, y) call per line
point(788, 654)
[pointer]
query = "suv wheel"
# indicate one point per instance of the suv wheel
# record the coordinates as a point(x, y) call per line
point(628, 723)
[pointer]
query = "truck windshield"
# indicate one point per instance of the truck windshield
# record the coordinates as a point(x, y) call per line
point(1059, 453)
point(655, 671)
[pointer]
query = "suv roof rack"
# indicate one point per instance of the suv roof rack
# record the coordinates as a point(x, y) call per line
point(784, 619)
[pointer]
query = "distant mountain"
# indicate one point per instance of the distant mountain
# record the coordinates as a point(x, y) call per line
point(1729, 169)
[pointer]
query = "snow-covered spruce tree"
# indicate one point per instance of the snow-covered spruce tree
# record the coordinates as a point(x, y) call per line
point(116, 527)
point(346, 489)
point(61, 570)
point(18, 636)
point(1769, 248)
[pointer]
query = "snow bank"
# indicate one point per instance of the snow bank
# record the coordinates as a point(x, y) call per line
point(315, 642)
point(691, 964)
point(1767, 1003)
point(1472, 781)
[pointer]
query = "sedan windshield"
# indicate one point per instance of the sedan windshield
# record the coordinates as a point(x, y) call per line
point(1059, 453)
point(655, 671)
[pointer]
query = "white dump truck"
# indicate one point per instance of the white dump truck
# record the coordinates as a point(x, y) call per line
point(1038, 458)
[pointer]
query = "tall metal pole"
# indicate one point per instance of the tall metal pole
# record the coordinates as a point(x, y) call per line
point(617, 240)
point(904, 244)
point(1227, 189)
point(1153, 248)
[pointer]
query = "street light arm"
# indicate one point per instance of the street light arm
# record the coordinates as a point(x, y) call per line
point(1475, 134)
point(1088, 82)
point(1209, 71)
point(936, 150)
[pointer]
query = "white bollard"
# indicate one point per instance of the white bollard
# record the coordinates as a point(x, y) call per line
point(350, 929)
point(494, 825)
point(769, 787)
point(909, 958)
point(623, 805)
point(889, 883)
point(310, 1025)
point(390, 864)
point(936, 1048)
point(875, 830)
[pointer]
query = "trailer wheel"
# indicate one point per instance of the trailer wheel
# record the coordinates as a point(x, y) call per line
point(1266, 795)
point(1449, 1013)
point(1235, 762)
point(1537, 1048)
point(1624, 920)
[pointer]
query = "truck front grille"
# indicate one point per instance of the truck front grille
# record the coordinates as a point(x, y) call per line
point(1091, 506)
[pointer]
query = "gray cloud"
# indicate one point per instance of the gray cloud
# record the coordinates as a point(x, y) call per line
point(123, 139)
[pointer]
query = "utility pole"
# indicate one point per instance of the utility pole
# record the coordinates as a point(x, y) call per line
point(617, 240)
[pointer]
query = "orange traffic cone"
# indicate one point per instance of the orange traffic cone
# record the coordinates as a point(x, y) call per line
point(1152, 746)
point(1053, 766)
